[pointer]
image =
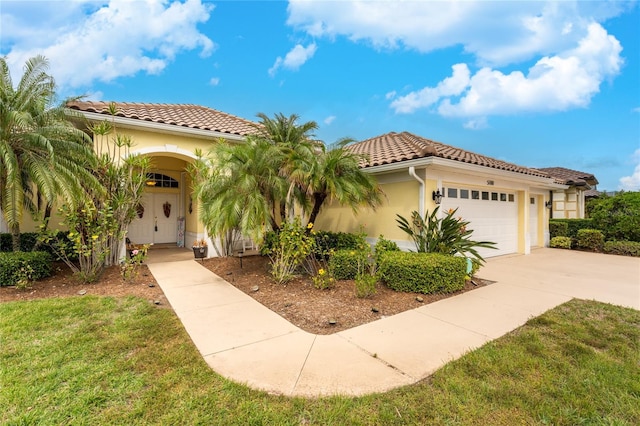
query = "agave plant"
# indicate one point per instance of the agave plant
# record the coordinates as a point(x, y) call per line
point(449, 235)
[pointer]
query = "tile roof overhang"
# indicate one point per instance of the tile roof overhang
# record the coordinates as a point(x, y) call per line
point(393, 151)
point(188, 119)
point(571, 177)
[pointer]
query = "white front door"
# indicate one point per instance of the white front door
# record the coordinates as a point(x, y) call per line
point(166, 218)
point(155, 227)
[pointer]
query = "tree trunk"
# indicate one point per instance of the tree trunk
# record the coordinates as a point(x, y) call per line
point(15, 237)
point(318, 200)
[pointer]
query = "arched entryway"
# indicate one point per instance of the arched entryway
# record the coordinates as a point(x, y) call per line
point(167, 214)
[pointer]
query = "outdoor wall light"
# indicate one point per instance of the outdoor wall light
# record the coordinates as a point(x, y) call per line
point(437, 196)
point(548, 204)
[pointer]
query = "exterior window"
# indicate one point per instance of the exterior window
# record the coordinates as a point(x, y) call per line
point(532, 200)
point(485, 195)
point(494, 196)
point(159, 180)
point(475, 195)
point(503, 197)
point(452, 193)
point(511, 198)
point(464, 193)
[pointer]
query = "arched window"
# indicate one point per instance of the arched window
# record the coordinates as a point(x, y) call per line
point(161, 181)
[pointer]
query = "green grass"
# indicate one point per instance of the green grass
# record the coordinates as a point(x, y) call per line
point(97, 360)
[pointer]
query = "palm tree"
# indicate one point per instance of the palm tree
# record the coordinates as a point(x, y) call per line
point(39, 147)
point(337, 177)
point(298, 148)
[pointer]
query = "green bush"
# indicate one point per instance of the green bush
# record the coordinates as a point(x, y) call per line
point(383, 245)
point(560, 242)
point(324, 242)
point(624, 248)
point(423, 272)
point(618, 217)
point(344, 263)
point(558, 228)
point(28, 241)
point(590, 239)
point(16, 266)
point(573, 226)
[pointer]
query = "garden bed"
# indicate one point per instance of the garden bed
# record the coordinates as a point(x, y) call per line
point(298, 301)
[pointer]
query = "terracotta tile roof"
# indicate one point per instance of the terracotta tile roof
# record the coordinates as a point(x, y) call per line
point(571, 177)
point(182, 115)
point(396, 147)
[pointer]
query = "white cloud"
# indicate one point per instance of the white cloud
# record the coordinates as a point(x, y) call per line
point(632, 183)
point(476, 124)
point(390, 95)
point(496, 33)
point(329, 119)
point(560, 82)
point(636, 109)
point(107, 41)
point(294, 59)
point(214, 81)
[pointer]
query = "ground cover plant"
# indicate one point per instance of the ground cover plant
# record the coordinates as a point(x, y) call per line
point(103, 360)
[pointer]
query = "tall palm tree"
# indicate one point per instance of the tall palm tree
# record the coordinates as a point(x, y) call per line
point(298, 147)
point(336, 176)
point(39, 147)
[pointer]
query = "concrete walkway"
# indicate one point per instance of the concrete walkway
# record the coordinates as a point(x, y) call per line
point(246, 342)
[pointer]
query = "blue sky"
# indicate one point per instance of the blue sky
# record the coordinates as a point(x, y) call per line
point(539, 84)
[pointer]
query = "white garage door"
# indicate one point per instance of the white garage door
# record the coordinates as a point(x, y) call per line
point(493, 216)
point(533, 221)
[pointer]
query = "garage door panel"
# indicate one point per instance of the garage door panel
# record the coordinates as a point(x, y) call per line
point(495, 221)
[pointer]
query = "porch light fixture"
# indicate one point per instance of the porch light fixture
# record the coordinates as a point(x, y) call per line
point(548, 204)
point(437, 196)
point(150, 182)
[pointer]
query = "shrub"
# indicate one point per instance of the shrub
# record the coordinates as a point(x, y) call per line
point(28, 241)
point(324, 242)
point(423, 272)
point(624, 248)
point(292, 247)
point(383, 245)
point(573, 226)
point(448, 235)
point(618, 217)
point(323, 279)
point(558, 228)
point(590, 239)
point(19, 266)
point(560, 242)
point(344, 263)
point(365, 283)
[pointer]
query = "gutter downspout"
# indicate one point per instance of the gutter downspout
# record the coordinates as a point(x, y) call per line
point(412, 173)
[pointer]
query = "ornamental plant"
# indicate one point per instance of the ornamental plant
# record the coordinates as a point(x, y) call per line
point(131, 264)
point(449, 235)
point(291, 248)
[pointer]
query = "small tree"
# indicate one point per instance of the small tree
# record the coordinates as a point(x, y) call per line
point(618, 217)
point(448, 235)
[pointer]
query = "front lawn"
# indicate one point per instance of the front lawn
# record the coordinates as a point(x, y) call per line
point(103, 360)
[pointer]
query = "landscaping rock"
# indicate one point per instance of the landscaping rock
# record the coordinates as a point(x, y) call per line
point(255, 288)
point(82, 292)
point(419, 299)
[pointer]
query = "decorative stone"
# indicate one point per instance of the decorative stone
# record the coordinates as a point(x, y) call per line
point(82, 292)
point(375, 310)
point(255, 288)
point(419, 299)
point(152, 285)
point(156, 302)
point(332, 322)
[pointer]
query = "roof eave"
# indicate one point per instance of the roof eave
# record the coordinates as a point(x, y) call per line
point(459, 165)
point(160, 127)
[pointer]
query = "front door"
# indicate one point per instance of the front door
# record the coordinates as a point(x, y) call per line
point(165, 218)
point(158, 223)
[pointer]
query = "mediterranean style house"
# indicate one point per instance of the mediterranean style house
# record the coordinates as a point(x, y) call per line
point(505, 203)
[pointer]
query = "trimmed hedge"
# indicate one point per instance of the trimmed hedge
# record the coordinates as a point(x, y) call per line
point(558, 229)
point(325, 241)
point(344, 264)
point(28, 241)
point(422, 272)
point(12, 266)
point(560, 242)
point(590, 239)
point(573, 226)
point(623, 248)
point(382, 246)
